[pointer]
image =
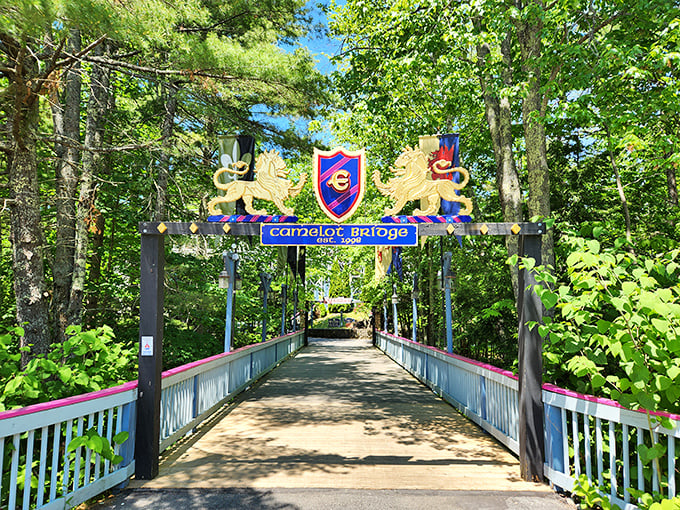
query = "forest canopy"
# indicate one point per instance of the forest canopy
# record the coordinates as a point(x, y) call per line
point(110, 114)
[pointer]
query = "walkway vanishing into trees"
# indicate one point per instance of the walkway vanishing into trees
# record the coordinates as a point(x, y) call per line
point(342, 415)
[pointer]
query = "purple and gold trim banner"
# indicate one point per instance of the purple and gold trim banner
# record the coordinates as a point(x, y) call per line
point(426, 219)
point(252, 218)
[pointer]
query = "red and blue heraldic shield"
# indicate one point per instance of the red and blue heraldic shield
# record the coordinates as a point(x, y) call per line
point(339, 178)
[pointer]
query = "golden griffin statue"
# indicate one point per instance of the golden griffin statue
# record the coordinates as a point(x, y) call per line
point(270, 184)
point(412, 183)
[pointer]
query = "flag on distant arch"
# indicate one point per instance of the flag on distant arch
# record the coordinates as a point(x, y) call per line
point(396, 262)
point(383, 260)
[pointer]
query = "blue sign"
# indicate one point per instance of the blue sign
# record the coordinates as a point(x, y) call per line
point(338, 235)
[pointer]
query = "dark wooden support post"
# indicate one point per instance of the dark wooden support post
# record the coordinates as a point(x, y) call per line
point(147, 445)
point(530, 308)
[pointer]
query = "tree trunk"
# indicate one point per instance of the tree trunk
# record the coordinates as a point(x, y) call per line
point(26, 229)
point(96, 110)
point(672, 186)
point(66, 117)
point(93, 302)
point(96, 298)
point(499, 119)
point(529, 30)
point(170, 104)
point(619, 187)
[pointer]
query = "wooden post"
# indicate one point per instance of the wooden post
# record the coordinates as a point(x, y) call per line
point(147, 443)
point(531, 451)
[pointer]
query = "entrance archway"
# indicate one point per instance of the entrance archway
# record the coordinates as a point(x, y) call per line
point(151, 330)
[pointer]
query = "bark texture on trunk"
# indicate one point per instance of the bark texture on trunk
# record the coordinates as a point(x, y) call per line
point(66, 117)
point(93, 300)
point(170, 104)
point(26, 229)
point(92, 160)
point(619, 187)
point(498, 114)
point(529, 30)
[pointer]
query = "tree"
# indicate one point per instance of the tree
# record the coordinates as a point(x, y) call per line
point(226, 54)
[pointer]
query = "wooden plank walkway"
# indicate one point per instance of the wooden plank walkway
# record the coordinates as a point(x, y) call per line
point(340, 415)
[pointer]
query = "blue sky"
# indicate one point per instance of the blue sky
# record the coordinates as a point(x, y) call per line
point(321, 47)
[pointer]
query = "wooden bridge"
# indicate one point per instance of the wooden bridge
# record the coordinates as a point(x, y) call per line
point(337, 414)
point(340, 414)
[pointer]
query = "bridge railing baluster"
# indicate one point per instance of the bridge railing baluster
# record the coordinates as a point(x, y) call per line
point(489, 397)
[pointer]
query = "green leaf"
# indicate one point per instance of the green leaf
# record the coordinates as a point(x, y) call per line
point(77, 443)
point(646, 401)
point(673, 372)
point(121, 437)
point(13, 384)
point(95, 444)
point(603, 326)
point(673, 393)
point(662, 383)
point(528, 263)
point(597, 381)
point(628, 288)
point(549, 299)
point(593, 246)
point(573, 259)
point(65, 374)
point(661, 325)
point(647, 454)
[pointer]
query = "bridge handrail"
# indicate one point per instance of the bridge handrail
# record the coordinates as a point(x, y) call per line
point(468, 385)
point(66, 478)
point(43, 431)
point(183, 372)
point(572, 422)
point(193, 392)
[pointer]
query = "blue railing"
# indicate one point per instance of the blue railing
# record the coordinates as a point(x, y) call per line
point(193, 392)
point(42, 472)
point(583, 435)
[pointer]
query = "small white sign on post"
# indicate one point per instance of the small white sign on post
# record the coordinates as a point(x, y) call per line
point(147, 346)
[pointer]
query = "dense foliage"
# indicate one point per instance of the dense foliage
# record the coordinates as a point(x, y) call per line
point(86, 361)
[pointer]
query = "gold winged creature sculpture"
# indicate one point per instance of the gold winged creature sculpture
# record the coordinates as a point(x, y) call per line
point(411, 183)
point(269, 184)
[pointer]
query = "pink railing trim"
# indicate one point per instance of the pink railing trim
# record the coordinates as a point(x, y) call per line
point(54, 404)
point(76, 399)
point(546, 386)
point(604, 401)
point(486, 366)
point(193, 364)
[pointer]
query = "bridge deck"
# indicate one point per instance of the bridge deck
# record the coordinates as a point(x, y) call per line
point(340, 415)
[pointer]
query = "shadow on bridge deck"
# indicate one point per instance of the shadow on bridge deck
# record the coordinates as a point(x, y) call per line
point(340, 415)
